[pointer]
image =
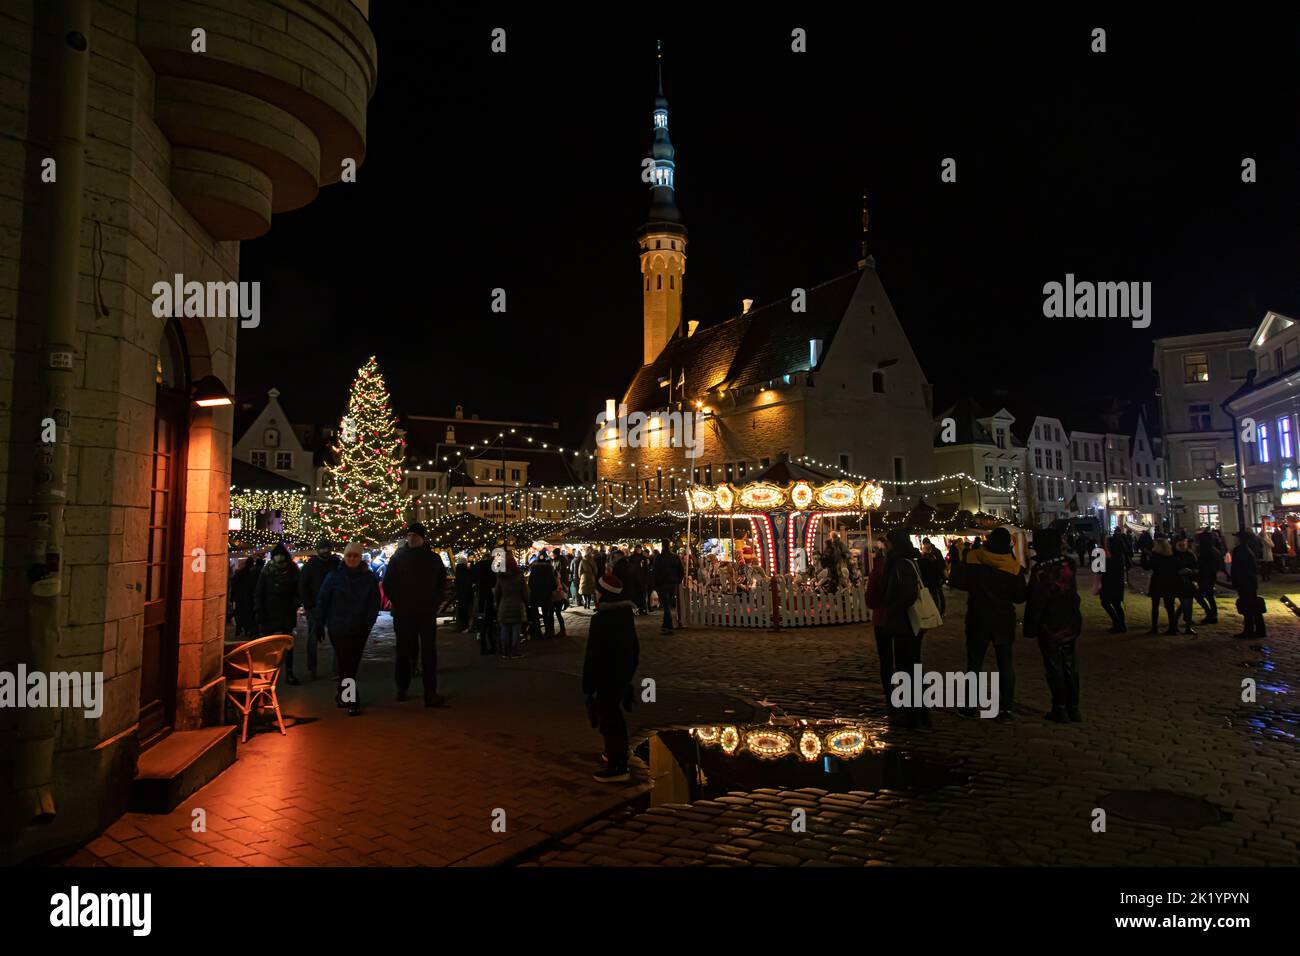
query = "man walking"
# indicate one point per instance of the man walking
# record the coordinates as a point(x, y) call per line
point(613, 653)
point(414, 583)
point(668, 575)
point(314, 572)
point(1208, 561)
point(541, 595)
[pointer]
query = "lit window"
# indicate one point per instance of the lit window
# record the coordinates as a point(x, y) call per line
point(1263, 445)
point(1284, 437)
point(1196, 368)
point(661, 119)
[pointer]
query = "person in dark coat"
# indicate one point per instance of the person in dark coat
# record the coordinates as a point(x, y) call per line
point(245, 585)
point(1113, 581)
point(613, 653)
point(463, 583)
point(898, 645)
point(668, 577)
point(1279, 550)
point(541, 596)
point(349, 601)
point(932, 568)
point(621, 566)
point(1245, 578)
point(1052, 618)
point(276, 601)
point(485, 580)
point(1187, 591)
point(995, 584)
point(1209, 559)
point(640, 573)
point(1164, 583)
point(875, 600)
point(414, 583)
point(511, 596)
point(313, 576)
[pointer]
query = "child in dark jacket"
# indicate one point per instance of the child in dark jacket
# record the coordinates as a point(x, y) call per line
point(613, 653)
point(1052, 617)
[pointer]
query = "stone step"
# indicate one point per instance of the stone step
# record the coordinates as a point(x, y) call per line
point(173, 769)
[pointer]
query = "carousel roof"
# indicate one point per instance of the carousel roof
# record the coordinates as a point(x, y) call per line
point(786, 472)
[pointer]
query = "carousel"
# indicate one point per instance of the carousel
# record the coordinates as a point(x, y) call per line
point(792, 519)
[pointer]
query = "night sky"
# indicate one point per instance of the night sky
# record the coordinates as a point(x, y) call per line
point(522, 171)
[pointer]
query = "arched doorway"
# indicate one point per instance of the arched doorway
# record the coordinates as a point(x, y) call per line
point(160, 658)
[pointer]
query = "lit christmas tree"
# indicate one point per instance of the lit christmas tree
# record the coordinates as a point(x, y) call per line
point(366, 501)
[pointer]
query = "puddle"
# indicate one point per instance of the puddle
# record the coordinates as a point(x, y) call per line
point(832, 755)
point(1163, 808)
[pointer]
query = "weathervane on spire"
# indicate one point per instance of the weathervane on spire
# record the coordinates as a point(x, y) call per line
point(659, 63)
point(866, 223)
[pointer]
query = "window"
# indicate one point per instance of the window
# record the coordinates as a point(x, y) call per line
point(257, 458)
point(1200, 418)
point(1042, 494)
point(514, 474)
point(1038, 458)
point(659, 482)
point(1000, 437)
point(659, 281)
point(670, 280)
point(1207, 516)
point(412, 483)
point(1078, 478)
point(695, 475)
point(1203, 461)
point(1284, 437)
point(430, 484)
point(728, 471)
point(1196, 368)
point(1089, 481)
point(1058, 460)
point(1262, 435)
point(846, 461)
point(1277, 359)
point(1265, 363)
point(988, 474)
point(1075, 445)
point(1038, 432)
point(1140, 445)
point(878, 382)
point(1002, 477)
point(1058, 436)
point(283, 460)
point(499, 474)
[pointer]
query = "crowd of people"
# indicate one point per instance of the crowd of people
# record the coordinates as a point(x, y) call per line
point(1183, 570)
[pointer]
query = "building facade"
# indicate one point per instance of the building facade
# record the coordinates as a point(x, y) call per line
point(1196, 374)
point(1267, 412)
point(1047, 461)
point(985, 448)
point(162, 158)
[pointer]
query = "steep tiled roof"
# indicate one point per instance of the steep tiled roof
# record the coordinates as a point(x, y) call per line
point(765, 343)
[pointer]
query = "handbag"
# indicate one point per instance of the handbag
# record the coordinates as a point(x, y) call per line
point(924, 613)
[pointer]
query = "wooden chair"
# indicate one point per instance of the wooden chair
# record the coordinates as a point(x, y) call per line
point(255, 668)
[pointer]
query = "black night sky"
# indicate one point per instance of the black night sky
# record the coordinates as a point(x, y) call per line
point(522, 171)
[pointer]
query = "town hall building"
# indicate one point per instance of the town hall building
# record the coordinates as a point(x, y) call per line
point(826, 373)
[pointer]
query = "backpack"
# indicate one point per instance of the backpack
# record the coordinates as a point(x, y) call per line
point(924, 614)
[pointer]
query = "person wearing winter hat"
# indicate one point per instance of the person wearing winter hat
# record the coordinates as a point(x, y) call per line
point(1053, 618)
point(414, 582)
point(313, 575)
point(511, 596)
point(898, 645)
point(613, 653)
point(349, 601)
point(275, 601)
point(995, 583)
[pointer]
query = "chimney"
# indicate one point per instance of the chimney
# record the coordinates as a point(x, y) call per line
point(745, 305)
point(691, 326)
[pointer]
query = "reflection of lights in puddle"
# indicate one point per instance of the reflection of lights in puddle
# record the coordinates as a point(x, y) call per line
point(816, 739)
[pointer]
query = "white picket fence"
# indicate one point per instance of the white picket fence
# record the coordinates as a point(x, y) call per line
point(754, 608)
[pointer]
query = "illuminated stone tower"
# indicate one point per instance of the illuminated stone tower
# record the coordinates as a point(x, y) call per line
point(662, 239)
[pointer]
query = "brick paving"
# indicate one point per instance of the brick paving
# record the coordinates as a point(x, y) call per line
point(403, 785)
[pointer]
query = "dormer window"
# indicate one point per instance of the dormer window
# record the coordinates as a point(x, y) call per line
point(661, 119)
point(663, 176)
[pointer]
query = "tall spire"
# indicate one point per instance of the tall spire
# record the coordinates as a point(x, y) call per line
point(866, 222)
point(663, 194)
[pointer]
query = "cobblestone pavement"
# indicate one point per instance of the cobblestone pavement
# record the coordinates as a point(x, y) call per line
point(1160, 712)
point(404, 785)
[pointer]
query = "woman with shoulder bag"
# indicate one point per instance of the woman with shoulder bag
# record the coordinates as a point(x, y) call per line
point(903, 587)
